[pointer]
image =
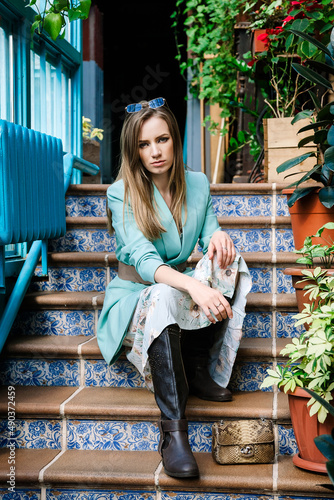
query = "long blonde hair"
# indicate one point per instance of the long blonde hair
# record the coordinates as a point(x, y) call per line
point(138, 187)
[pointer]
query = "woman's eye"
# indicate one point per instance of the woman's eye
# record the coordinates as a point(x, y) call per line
point(163, 139)
point(142, 145)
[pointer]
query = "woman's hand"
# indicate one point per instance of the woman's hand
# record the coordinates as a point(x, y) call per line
point(210, 301)
point(222, 245)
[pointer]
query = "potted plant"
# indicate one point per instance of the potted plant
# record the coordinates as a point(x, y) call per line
point(325, 443)
point(318, 249)
point(312, 205)
point(310, 365)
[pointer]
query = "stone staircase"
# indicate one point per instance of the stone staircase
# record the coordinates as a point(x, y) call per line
point(86, 431)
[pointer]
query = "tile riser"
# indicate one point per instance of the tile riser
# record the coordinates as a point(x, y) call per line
point(224, 205)
point(246, 376)
point(117, 435)
point(71, 323)
point(81, 279)
point(245, 240)
point(80, 493)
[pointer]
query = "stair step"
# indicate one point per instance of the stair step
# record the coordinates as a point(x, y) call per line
point(54, 346)
point(108, 259)
point(124, 471)
point(94, 300)
point(118, 403)
point(65, 361)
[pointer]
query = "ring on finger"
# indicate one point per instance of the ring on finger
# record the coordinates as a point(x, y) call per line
point(224, 248)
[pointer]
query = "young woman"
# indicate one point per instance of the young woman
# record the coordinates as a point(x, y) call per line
point(177, 324)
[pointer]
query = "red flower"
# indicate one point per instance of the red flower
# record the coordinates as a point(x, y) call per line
point(288, 19)
point(252, 62)
point(264, 37)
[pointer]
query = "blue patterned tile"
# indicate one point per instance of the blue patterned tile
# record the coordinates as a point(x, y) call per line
point(200, 436)
point(285, 325)
point(291, 497)
point(242, 206)
point(284, 240)
point(251, 240)
point(54, 323)
point(287, 440)
point(32, 434)
point(282, 208)
point(130, 436)
point(85, 206)
point(20, 494)
point(84, 240)
point(248, 376)
point(62, 494)
point(262, 280)
point(284, 283)
point(184, 495)
point(120, 374)
point(39, 372)
point(258, 324)
point(72, 279)
point(112, 435)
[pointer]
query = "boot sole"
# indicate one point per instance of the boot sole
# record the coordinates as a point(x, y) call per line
point(220, 400)
point(181, 474)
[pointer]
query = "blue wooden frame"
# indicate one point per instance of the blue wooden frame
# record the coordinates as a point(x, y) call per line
point(17, 16)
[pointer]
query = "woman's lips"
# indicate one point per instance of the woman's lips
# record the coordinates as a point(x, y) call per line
point(158, 163)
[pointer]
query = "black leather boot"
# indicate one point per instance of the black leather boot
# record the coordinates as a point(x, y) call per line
point(195, 352)
point(171, 394)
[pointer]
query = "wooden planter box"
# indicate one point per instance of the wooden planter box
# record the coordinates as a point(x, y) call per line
point(281, 144)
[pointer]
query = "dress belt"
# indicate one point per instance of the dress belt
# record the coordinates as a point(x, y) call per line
point(129, 273)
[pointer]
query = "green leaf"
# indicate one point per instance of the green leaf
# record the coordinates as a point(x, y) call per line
point(293, 162)
point(289, 41)
point(312, 76)
point(330, 470)
point(52, 24)
point(330, 136)
point(325, 444)
point(329, 158)
point(315, 125)
point(321, 67)
point(308, 49)
point(312, 40)
point(315, 99)
point(298, 194)
point(320, 136)
point(304, 141)
point(301, 115)
point(299, 25)
point(326, 196)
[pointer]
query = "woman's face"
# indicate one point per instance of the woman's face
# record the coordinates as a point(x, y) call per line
point(156, 146)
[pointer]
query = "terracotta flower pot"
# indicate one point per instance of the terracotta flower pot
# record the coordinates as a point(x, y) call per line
point(297, 275)
point(306, 428)
point(259, 45)
point(307, 215)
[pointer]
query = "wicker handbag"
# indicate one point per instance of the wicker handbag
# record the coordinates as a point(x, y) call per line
point(243, 442)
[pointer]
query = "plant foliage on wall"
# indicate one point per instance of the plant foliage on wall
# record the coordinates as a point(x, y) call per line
point(209, 25)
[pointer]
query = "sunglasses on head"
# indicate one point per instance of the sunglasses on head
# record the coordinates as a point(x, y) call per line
point(154, 103)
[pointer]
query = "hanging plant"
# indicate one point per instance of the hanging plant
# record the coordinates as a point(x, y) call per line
point(55, 14)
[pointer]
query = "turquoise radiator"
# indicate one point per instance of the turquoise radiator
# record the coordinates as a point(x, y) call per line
point(31, 185)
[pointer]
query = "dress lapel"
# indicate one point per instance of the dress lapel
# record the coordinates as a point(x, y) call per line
point(171, 238)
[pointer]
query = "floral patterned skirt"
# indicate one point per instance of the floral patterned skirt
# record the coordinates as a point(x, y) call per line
point(161, 305)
